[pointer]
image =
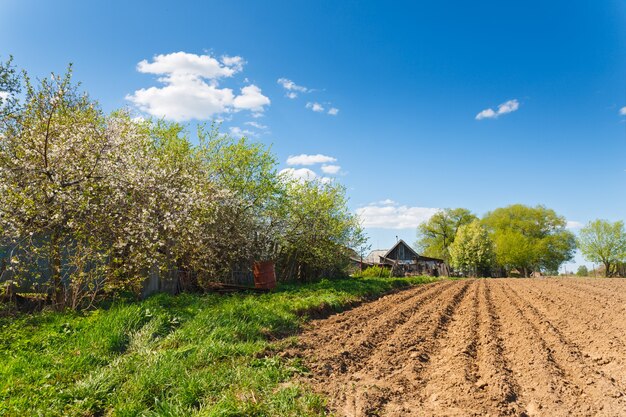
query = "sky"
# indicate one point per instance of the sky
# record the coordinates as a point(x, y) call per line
point(414, 106)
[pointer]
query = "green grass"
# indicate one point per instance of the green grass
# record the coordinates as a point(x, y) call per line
point(200, 355)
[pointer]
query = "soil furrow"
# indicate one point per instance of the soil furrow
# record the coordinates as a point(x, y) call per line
point(597, 289)
point(452, 382)
point(366, 334)
point(519, 347)
point(599, 336)
point(497, 377)
point(392, 371)
point(544, 386)
point(580, 370)
point(374, 314)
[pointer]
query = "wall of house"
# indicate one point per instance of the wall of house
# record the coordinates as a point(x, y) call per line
point(402, 253)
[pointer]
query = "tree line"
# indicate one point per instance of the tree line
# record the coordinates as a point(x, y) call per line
point(92, 202)
point(518, 239)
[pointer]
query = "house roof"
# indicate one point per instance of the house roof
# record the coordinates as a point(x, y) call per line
point(374, 256)
point(401, 242)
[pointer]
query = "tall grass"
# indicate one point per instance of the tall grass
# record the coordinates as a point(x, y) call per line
point(210, 355)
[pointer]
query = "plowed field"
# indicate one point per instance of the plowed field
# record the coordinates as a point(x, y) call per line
point(488, 347)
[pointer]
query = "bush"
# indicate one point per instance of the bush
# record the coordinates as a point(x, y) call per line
point(374, 271)
point(583, 271)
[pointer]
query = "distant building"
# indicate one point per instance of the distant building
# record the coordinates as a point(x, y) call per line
point(403, 260)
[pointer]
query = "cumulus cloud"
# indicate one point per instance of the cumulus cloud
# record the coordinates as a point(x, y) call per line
point(504, 108)
point(304, 159)
point(388, 214)
point(5, 95)
point(333, 111)
point(622, 111)
point(316, 107)
point(191, 87)
point(182, 64)
point(331, 169)
point(572, 224)
point(251, 98)
point(292, 88)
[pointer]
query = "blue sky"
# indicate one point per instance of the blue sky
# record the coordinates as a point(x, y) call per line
point(407, 80)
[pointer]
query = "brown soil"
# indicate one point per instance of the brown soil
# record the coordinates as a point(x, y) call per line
point(489, 347)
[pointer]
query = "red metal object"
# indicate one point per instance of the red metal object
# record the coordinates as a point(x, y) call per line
point(264, 275)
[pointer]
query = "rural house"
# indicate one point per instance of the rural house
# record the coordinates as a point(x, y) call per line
point(403, 260)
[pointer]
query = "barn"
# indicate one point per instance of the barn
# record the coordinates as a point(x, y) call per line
point(403, 260)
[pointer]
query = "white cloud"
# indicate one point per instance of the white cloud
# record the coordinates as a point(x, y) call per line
point(305, 159)
point(316, 107)
point(191, 88)
point(299, 173)
point(238, 132)
point(257, 125)
point(504, 108)
point(251, 98)
point(235, 62)
point(486, 114)
point(330, 169)
point(4, 95)
point(622, 111)
point(333, 111)
point(571, 224)
point(388, 214)
point(304, 174)
point(292, 88)
point(386, 202)
point(182, 64)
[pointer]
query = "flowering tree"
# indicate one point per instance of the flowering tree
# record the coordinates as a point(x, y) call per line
point(51, 152)
point(94, 203)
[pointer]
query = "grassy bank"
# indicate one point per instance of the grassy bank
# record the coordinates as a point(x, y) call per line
point(208, 355)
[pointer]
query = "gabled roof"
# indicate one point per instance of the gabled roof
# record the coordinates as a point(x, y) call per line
point(374, 256)
point(401, 242)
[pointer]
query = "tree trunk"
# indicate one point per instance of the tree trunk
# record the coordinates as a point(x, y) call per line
point(55, 272)
point(607, 269)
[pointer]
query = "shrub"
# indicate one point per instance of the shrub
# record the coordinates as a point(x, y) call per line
point(375, 271)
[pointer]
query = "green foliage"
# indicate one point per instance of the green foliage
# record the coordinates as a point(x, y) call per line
point(582, 271)
point(529, 238)
point(604, 242)
point(375, 271)
point(183, 355)
point(472, 252)
point(437, 234)
point(317, 228)
point(92, 203)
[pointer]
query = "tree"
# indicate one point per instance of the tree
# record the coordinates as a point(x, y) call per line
point(472, 251)
point(604, 242)
point(51, 155)
point(582, 271)
point(318, 230)
point(529, 238)
point(437, 234)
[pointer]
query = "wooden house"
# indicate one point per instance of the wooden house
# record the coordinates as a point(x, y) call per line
point(403, 260)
